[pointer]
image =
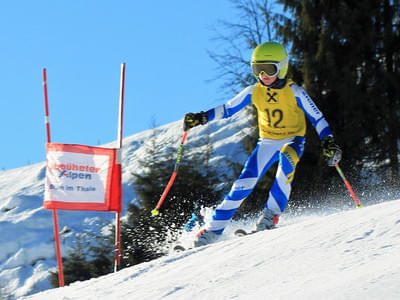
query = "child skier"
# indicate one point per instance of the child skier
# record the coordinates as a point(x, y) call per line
point(281, 107)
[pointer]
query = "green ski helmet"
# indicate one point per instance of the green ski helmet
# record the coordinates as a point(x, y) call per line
point(270, 58)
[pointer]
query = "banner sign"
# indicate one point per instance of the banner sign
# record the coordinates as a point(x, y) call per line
point(81, 177)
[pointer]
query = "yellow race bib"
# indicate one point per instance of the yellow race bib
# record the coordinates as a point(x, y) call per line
point(279, 116)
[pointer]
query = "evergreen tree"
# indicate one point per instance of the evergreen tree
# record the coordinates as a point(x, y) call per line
point(347, 58)
point(102, 255)
point(88, 258)
point(75, 267)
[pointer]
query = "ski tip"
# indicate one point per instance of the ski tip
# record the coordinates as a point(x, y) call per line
point(179, 248)
point(240, 232)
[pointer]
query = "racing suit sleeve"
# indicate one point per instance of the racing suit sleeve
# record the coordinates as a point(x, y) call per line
point(232, 106)
point(312, 112)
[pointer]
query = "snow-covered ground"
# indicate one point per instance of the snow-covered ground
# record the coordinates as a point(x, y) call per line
point(27, 251)
point(348, 255)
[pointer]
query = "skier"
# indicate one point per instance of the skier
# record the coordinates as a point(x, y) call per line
point(281, 107)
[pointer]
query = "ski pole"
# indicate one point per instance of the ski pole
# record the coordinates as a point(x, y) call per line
point(156, 211)
point(346, 182)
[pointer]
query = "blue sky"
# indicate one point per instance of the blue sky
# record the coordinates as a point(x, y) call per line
point(82, 44)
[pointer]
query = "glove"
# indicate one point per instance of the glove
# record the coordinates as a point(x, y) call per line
point(331, 151)
point(193, 119)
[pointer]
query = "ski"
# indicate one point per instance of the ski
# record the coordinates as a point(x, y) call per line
point(241, 232)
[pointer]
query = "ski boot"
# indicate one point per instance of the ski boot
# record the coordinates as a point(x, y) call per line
point(267, 220)
point(204, 237)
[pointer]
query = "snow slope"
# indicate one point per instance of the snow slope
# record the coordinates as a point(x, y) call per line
point(348, 255)
point(27, 251)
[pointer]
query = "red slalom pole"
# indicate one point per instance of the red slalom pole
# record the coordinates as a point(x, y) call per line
point(58, 250)
point(117, 262)
point(349, 188)
point(55, 220)
point(156, 211)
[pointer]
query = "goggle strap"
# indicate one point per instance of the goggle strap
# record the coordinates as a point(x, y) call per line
point(283, 62)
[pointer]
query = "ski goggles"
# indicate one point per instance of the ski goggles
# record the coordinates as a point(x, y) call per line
point(270, 68)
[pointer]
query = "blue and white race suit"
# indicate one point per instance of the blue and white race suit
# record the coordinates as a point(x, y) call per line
point(282, 128)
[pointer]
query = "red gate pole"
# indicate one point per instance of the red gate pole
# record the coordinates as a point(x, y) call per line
point(55, 220)
point(118, 214)
point(58, 249)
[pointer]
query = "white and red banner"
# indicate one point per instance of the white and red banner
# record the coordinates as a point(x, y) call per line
point(81, 177)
